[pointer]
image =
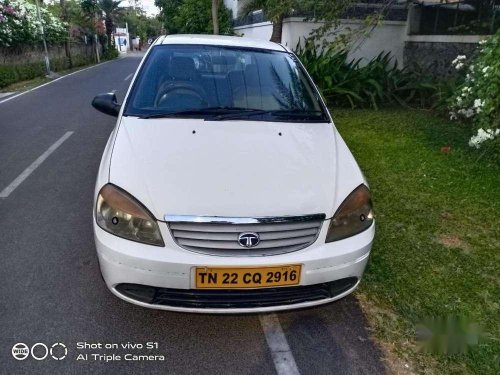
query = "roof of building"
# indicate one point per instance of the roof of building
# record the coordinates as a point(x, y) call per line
point(220, 40)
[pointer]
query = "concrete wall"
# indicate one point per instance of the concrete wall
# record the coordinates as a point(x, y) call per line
point(13, 56)
point(388, 37)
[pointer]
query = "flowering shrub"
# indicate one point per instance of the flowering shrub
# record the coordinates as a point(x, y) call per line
point(478, 98)
point(19, 24)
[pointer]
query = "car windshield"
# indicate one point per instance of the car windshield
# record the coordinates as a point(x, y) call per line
point(220, 83)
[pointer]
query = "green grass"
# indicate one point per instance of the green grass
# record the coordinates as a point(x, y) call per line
point(437, 246)
point(25, 85)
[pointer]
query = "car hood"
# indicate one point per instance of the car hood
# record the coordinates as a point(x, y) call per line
point(226, 168)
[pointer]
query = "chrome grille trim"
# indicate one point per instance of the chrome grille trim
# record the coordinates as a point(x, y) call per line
point(241, 220)
point(215, 235)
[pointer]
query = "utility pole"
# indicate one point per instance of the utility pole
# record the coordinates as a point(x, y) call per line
point(47, 61)
point(96, 40)
point(127, 38)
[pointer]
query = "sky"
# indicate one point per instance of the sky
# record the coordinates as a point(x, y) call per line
point(149, 7)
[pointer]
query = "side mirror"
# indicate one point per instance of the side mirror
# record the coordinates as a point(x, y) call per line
point(106, 103)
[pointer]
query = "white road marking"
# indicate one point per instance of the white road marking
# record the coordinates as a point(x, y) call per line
point(128, 77)
point(276, 340)
point(4, 94)
point(54, 80)
point(25, 174)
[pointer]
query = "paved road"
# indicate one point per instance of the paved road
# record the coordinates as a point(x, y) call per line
point(50, 286)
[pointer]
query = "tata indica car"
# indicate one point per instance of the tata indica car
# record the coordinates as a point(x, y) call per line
point(225, 187)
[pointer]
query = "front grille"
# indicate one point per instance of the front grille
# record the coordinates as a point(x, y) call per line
point(236, 298)
point(219, 236)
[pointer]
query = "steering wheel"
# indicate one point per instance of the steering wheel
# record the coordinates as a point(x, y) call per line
point(181, 95)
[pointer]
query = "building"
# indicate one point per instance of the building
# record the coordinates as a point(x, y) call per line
point(423, 34)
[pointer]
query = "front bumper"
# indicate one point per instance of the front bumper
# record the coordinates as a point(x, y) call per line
point(171, 267)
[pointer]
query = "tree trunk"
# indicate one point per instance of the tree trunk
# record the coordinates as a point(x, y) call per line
point(215, 16)
point(67, 47)
point(277, 30)
point(109, 29)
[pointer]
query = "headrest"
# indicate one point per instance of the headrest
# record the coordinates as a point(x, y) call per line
point(182, 68)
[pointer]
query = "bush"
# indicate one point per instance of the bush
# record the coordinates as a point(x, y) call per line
point(81, 60)
point(59, 64)
point(7, 75)
point(378, 82)
point(10, 74)
point(110, 54)
point(19, 24)
point(477, 100)
point(30, 71)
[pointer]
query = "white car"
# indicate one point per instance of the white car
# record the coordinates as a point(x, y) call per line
point(225, 187)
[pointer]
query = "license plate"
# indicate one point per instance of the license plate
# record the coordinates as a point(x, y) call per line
point(237, 278)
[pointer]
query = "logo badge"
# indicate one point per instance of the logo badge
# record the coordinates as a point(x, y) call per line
point(248, 239)
point(20, 351)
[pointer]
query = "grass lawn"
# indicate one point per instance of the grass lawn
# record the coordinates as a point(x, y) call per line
point(25, 85)
point(437, 247)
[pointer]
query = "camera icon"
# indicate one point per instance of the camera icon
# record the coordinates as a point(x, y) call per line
point(39, 351)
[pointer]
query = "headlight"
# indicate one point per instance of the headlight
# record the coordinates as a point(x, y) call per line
point(119, 213)
point(354, 215)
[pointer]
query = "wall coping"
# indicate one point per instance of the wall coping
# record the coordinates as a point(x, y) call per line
point(302, 19)
point(252, 25)
point(445, 38)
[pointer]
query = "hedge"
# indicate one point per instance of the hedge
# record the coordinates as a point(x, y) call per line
point(10, 74)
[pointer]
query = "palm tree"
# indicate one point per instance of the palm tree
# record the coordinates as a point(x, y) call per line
point(111, 10)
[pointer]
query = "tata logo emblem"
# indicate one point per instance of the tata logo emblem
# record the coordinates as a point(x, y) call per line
point(248, 239)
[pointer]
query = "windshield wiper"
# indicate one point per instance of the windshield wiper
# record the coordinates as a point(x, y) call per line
point(210, 111)
point(294, 114)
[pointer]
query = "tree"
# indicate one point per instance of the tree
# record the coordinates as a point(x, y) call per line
point(194, 16)
point(90, 12)
point(215, 16)
point(65, 19)
point(111, 10)
point(327, 11)
point(168, 10)
point(276, 11)
point(139, 24)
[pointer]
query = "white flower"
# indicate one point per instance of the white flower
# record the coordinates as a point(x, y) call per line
point(483, 135)
point(485, 69)
point(453, 115)
point(478, 103)
point(481, 42)
point(458, 61)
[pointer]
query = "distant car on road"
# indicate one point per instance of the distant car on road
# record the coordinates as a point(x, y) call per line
point(225, 186)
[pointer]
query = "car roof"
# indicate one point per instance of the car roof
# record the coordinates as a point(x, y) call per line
point(220, 40)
